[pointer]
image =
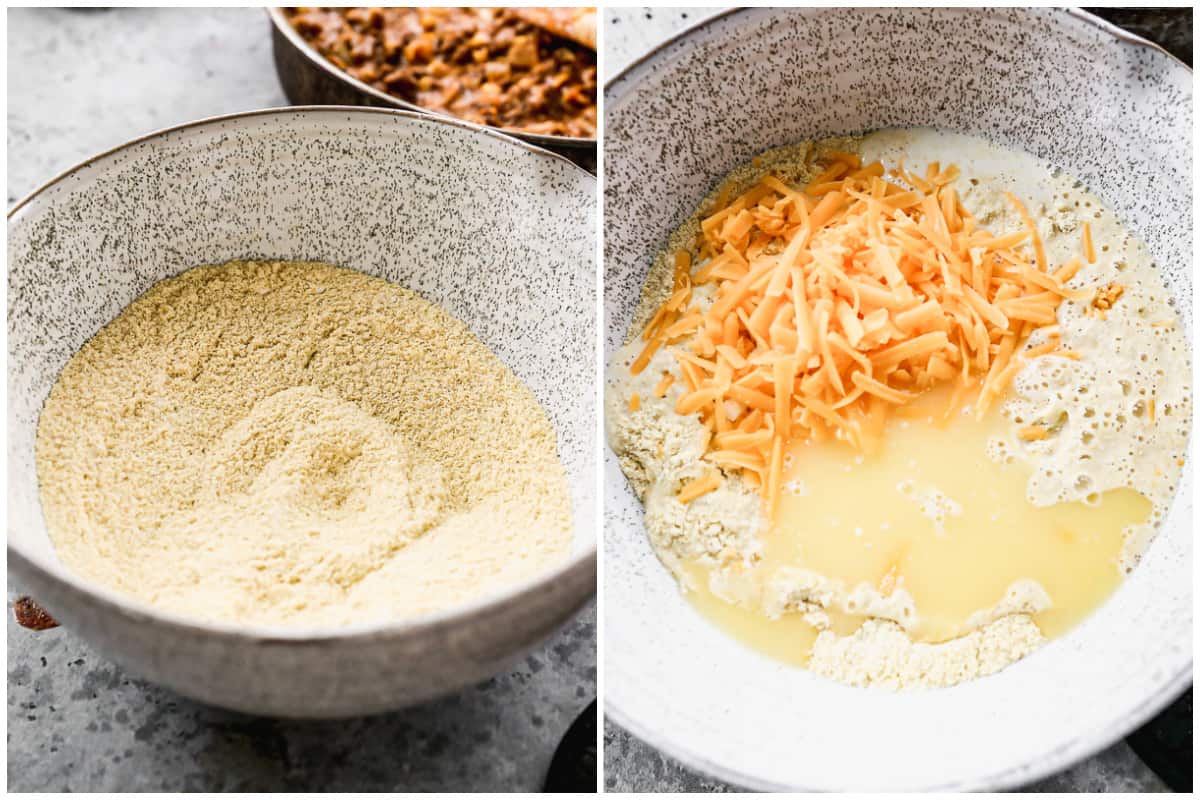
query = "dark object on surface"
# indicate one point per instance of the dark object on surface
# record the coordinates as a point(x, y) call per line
point(309, 79)
point(305, 83)
point(30, 615)
point(1165, 743)
point(1170, 28)
point(573, 768)
point(490, 66)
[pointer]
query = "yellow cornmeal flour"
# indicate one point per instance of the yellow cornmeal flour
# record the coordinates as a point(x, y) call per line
point(298, 444)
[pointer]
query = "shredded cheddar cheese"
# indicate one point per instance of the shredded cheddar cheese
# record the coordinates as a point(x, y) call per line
point(1032, 433)
point(699, 487)
point(836, 304)
point(1107, 296)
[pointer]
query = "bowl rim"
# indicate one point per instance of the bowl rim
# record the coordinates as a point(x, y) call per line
point(417, 116)
point(1116, 31)
point(571, 569)
point(1050, 763)
point(275, 13)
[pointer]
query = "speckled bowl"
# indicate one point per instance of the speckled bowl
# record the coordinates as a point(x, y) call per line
point(309, 78)
point(1108, 108)
point(498, 232)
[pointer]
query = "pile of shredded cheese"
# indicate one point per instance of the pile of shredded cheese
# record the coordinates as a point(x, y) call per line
point(837, 303)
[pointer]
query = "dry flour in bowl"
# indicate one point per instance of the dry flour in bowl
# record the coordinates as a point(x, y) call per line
point(297, 444)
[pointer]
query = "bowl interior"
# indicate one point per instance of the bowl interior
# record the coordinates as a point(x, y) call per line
point(1059, 85)
point(500, 234)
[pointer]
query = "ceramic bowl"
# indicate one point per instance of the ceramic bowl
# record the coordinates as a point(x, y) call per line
point(309, 78)
point(498, 232)
point(1110, 109)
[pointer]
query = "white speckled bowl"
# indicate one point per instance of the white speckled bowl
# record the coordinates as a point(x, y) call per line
point(1108, 108)
point(498, 232)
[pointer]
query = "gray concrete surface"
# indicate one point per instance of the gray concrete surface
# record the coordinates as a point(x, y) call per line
point(631, 765)
point(80, 82)
point(77, 722)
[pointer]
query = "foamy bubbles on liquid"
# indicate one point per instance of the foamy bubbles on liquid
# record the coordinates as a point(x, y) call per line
point(796, 488)
point(935, 504)
point(1107, 410)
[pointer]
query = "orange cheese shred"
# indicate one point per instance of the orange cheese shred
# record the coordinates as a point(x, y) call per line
point(1038, 250)
point(1032, 433)
point(1040, 350)
point(660, 389)
point(698, 487)
point(644, 357)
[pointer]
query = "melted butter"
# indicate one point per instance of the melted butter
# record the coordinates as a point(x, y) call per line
point(873, 519)
point(788, 639)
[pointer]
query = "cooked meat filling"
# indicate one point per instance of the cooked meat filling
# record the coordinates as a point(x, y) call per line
point(485, 65)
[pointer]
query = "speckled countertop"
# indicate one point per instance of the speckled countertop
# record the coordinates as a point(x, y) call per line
point(80, 82)
point(631, 765)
